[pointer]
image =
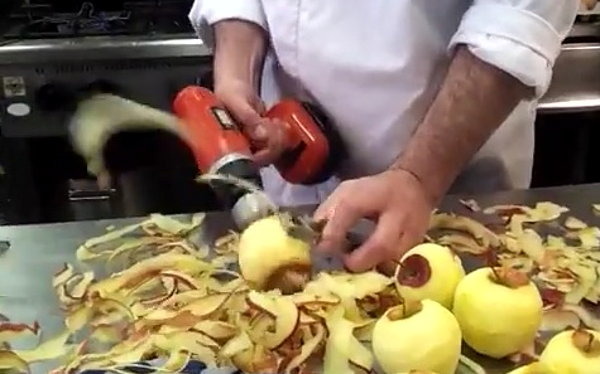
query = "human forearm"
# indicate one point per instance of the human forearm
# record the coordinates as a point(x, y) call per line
point(474, 100)
point(240, 48)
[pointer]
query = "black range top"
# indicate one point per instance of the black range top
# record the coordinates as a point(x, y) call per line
point(71, 18)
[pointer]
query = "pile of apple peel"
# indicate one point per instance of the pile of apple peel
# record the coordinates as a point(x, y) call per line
point(560, 252)
point(181, 307)
point(171, 300)
point(150, 292)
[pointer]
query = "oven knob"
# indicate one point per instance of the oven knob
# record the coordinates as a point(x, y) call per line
point(54, 96)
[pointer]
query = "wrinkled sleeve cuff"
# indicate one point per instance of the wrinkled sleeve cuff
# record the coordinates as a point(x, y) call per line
point(514, 40)
point(206, 13)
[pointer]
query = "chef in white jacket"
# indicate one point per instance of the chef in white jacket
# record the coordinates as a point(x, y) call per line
point(429, 96)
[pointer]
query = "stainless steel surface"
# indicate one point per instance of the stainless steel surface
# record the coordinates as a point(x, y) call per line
point(251, 207)
point(576, 83)
point(37, 252)
point(102, 48)
point(589, 30)
point(26, 270)
point(45, 75)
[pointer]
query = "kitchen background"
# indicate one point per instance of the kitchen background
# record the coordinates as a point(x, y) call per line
point(53, 51)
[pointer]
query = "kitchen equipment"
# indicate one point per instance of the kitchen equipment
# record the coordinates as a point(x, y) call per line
point(311, 153)
point(6, 8)
point(53, 51)
point(218, 146)
point(568, 115)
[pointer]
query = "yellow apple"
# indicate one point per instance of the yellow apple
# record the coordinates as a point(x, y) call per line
point(429, 271)
point(573, 352)
point(426, 338)
point(269, 258)
point(497, 317)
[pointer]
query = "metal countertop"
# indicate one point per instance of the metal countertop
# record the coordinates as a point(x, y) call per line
point(38, 251)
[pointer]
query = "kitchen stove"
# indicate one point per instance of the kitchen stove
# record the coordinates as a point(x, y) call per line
point(36, 21)
point(55, 51)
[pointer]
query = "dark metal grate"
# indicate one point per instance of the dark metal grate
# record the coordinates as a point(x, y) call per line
point(111, 66)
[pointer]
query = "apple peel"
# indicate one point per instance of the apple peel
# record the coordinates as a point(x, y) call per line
point(461, 243)
point(573, 223)
point(308, 349)
point(236, 345)
point(559, 320)
point(484, 236)
point(285, 314)
point(9, 330)
point(11, 361)
point(587, 318)
point(48, 350)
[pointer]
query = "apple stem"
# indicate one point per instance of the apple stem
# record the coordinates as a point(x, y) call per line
point(509, 277)
point(585, 341)
point(405, 310)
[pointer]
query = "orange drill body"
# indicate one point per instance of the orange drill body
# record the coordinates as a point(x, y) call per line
point(212, 131)
point(217, 139)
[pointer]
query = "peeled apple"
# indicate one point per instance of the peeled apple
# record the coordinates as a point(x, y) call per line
point(424, 337)
point(573, 352)
point(429, 271)
point(269, 258)
point(498, 316)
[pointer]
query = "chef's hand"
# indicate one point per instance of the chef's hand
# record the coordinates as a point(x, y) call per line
point(395, 199)
point(244, 104)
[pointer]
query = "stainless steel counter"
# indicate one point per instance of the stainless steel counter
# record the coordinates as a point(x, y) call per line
point(38, 251)
point(576, 82)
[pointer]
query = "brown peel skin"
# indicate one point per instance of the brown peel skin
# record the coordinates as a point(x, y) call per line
point(586, 342)
point(405, 310)
point(508, 277)
point(552, 297)
point(289, 279)
point(415, 271)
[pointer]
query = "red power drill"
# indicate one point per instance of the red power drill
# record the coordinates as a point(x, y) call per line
point(313, 149)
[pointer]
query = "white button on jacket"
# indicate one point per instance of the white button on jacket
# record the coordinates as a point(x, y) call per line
point(374, 66)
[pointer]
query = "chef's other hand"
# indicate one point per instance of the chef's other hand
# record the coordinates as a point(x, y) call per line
point(395, 200)
point(244, 104)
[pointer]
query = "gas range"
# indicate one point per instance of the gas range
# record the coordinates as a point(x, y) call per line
point(146, 50)
point(53, 52)
point(75, 19)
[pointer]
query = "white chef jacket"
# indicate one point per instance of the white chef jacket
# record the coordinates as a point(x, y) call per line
point(375, 66)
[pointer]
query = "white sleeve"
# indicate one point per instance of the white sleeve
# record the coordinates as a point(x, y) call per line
point(520, 37)
point(205, 13)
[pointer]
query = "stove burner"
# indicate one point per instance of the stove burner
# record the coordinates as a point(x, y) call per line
point(86, 21)
point(141, 18)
